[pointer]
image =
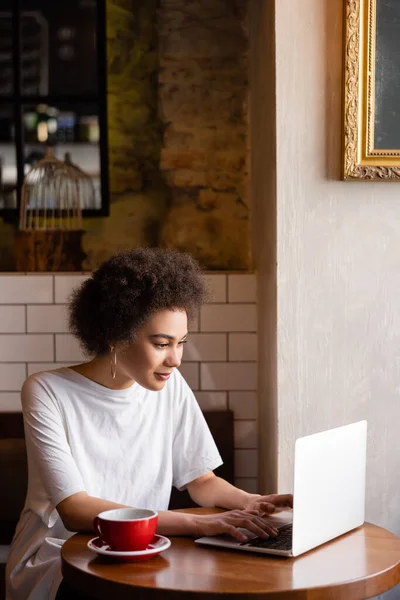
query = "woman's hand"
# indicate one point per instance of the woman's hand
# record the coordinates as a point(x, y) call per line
point(267, 504)
point(229, 521)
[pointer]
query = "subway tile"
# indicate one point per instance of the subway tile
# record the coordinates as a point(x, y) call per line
point(12, 376)
point(246, 434)
point(205, 347)
point(212, 400)
point(25, 289)
point(228, 317)
point(216, 286)
point(242, 288)
point(242, 346)
point(244, 404)
point(26, 348)
point(64, 284)
point(248, 484)
point(190, 372)
point(12, 319)
point(10, 402)
point(68, 349)
point(48, 319)
point(228, 376)
point(246, 463)
point(39, 367)
point(193, 322)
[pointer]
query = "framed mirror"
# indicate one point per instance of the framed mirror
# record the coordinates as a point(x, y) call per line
point(371, 104)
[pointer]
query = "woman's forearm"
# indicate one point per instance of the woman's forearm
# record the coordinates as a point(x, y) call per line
point(172, 522)
point(214, 491)
point(79, 510)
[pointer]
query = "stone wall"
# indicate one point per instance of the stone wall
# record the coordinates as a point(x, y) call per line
point(203, 94)
point(138, 196)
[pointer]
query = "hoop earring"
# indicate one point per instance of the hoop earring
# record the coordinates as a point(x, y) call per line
point(113, 363)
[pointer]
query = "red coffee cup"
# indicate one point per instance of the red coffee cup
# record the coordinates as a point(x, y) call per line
point(126, 529)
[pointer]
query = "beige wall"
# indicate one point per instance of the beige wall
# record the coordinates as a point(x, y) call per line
point(338, 264)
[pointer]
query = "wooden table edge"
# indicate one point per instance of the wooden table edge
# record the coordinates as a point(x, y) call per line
point(356, 589)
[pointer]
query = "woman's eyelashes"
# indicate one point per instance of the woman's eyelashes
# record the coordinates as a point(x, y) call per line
point(166, 345)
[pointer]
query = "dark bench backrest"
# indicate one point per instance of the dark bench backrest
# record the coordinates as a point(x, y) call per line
point(13, 467)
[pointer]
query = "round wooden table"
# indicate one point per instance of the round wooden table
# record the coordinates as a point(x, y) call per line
point(358, 565)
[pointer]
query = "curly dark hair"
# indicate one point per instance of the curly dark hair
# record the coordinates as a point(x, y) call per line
point(129, 287)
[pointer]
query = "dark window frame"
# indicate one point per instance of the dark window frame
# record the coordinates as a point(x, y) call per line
point(17, 100)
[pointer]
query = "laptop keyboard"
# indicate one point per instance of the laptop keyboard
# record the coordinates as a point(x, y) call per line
point(282, 542)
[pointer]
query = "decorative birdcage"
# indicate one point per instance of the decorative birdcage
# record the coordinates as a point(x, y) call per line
point(50, 224)
point(84, 183)
point(50, 196)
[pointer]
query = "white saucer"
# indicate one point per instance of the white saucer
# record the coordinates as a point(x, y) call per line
point(158, 544)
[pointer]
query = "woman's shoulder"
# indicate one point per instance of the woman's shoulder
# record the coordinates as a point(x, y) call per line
point(39, 387)
point(41, 378)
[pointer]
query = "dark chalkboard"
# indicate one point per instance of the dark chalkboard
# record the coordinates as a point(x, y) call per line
point(387, 75)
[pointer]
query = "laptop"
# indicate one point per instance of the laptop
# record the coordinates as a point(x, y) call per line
point(329, 495)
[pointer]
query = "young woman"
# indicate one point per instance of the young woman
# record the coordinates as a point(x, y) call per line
point(122, 428)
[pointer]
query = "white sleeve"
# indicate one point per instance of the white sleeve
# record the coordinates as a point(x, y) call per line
point(194, 451)
point(49, 454)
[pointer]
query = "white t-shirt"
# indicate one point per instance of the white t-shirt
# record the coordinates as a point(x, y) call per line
point(128, 446)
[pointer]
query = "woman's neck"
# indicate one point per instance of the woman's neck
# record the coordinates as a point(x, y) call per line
point(99, 370)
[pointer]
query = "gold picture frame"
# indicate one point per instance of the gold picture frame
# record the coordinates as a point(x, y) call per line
point(361, 159)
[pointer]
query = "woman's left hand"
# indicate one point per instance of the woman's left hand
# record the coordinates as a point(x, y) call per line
point(268, 504)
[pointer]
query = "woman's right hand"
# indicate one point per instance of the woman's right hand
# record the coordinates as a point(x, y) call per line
point(229, 521)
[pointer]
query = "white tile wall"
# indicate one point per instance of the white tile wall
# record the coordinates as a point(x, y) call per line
point(12, 376)
point(243, 346)
point(242, 288)
point(47, 319)
point(16, 347)
point(228, 376)
point(228, 317)
point(193, 323)
point(246, 434)
point(12, 319)
point(190, 371)
point(25, 289)
point(216, 285)
point(68, 349)
point(212, 400)
point(220, 358)
point(64, 284)
point(243, 404)
point(206, 347)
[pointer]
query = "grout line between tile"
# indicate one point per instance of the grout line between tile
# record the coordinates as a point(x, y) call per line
point(25, 333)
